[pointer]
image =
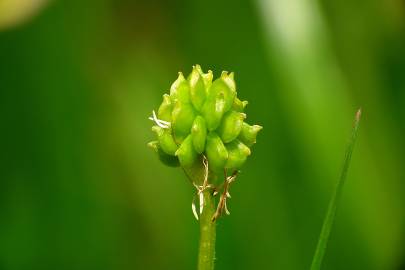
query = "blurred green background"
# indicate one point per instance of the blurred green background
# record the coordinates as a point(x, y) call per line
point(79, 189)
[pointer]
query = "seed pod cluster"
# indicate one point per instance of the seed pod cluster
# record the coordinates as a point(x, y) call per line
point(203, 117)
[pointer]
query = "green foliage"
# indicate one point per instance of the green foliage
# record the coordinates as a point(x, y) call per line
point(336, 195)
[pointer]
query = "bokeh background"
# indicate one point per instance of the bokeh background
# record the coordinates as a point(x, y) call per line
point(79, 189)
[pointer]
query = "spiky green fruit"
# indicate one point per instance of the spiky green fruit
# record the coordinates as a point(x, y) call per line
point(203, 117)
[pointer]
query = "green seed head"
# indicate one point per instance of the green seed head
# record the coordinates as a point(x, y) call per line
point(203, 117)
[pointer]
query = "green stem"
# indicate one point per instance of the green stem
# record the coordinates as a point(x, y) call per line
point(330, 215)
point(206, 252)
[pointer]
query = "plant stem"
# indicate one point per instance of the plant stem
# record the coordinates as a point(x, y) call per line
point(206, 253)
point(330, 215)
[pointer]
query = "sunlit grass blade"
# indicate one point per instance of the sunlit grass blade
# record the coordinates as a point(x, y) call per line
point(337, 193)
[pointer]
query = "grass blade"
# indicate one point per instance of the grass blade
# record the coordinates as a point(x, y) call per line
point(337, 193)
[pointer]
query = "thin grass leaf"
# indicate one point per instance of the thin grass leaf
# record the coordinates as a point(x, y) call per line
point(337, 194)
